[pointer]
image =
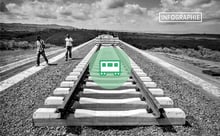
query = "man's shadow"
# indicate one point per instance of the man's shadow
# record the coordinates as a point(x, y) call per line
point(74, 130)
point(78, 130)
point(52, 64)
point(75, 58)
point(170, 128)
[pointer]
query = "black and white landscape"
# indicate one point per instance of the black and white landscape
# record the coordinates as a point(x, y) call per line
point(193, 47)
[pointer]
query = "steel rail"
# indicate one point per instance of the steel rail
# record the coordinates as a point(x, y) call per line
point(63, 109)
point(148, 97)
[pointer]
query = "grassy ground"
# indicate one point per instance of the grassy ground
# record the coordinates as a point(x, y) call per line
point(10, 56)
point(201, 53)
point(206, 59)
point(139, 40)
point(187, 41)
point(191, 65)
point(52, 36)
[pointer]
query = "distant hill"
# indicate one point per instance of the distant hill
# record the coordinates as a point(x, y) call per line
point(55, 34)
point(31, 27)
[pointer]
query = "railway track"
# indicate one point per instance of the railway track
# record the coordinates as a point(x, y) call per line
point(80, 101)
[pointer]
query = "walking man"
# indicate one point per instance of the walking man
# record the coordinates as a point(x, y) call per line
point(69, 41)
point(40, 50)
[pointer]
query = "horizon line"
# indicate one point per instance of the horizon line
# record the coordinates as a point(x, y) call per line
point(131, 31)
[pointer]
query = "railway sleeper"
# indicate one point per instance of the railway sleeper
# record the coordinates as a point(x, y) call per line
point(81, 117)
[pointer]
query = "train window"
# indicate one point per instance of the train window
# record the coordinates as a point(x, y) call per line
point(103, 65)
point(115, 64)
point(109, 64)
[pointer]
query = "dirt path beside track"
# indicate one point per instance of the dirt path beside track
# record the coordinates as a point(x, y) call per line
point(190, 67)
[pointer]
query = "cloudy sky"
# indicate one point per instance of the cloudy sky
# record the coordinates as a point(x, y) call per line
point(126, 15)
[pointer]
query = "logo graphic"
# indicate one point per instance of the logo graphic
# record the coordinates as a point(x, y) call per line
point(180, 17)
point(110, 66)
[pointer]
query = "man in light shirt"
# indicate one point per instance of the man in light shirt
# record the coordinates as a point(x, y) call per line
point(69, 41)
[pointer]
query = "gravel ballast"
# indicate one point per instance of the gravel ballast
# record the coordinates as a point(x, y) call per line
point(202, 110)
point(17, 104)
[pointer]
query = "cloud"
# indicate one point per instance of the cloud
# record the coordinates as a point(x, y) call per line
point(188, 3)
point(169, 4)
point(63, 10)
point(104, 14)
point(81, 16)
point(211, 19)
point(106, 8)
point(3, 8)
point(69, 9)
point(46, 16)
point(211, 11)
point(18, 2)
point(48, 10)
point(111, 4)
point(132, 21)
point(134, 9)
point(209, 8)
point(32, 10)
point(109, 14)
point(66, 13)
point(185, 4)
point(75, 11)
point(81, 11)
